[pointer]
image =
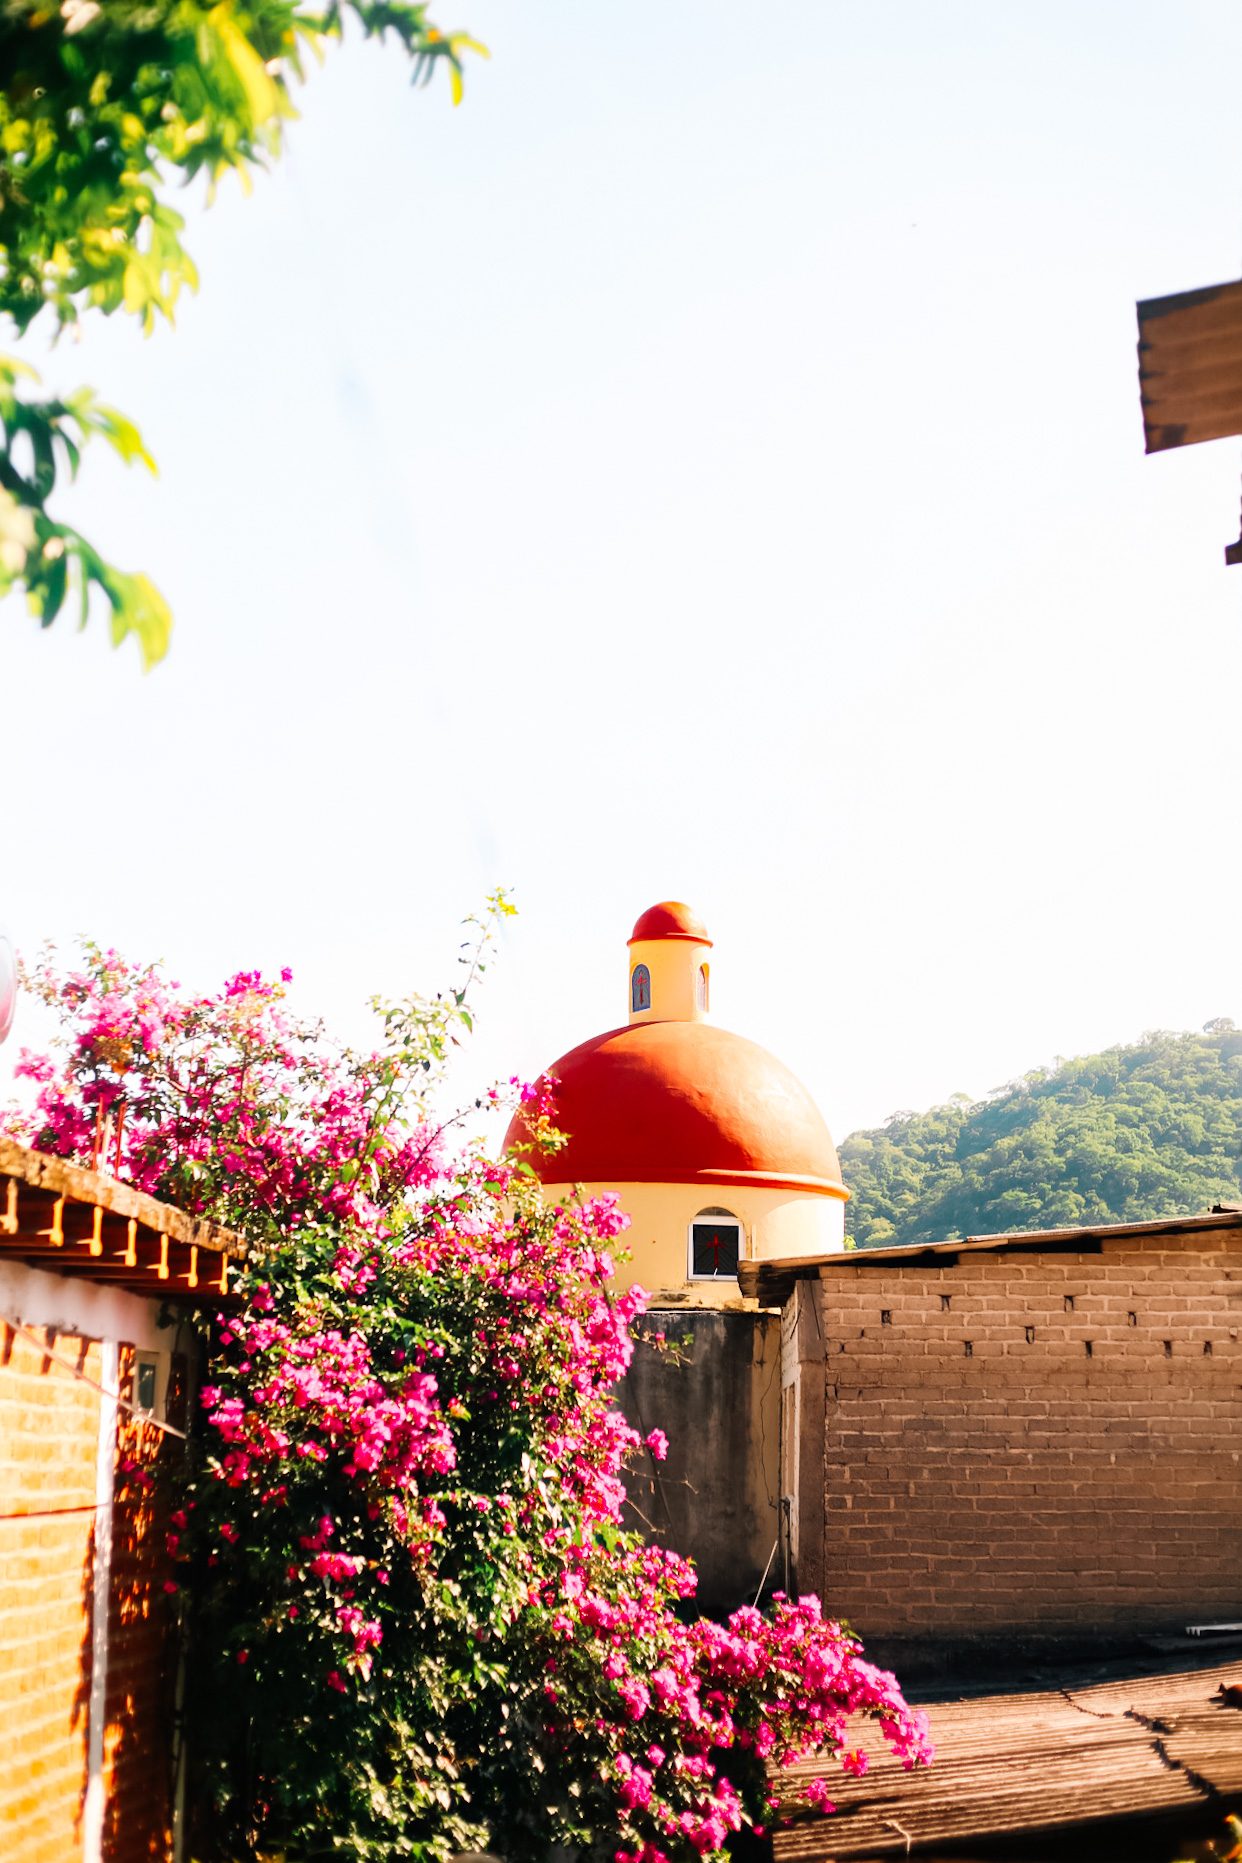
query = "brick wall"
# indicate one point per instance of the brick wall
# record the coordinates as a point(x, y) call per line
point(48, 1433)
point(1044, 1444)
point(48, 1443)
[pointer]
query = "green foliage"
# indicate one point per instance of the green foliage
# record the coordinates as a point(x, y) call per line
point(104, 103)
point(53, 561)
point(1153, 1129)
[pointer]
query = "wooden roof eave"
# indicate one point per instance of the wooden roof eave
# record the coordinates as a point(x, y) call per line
point(58, 1216)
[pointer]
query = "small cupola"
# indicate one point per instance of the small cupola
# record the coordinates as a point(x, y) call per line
point(670, 977)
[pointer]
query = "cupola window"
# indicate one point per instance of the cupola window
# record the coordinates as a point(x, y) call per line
point(640, 988)
point(700, 988)
point(715, 1246)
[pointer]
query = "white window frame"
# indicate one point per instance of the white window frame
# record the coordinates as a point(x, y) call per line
point(720, 1222)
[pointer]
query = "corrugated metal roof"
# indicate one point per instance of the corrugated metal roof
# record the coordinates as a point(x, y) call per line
point(1010, 1763)
point(771, 1281)
point(1190, 366)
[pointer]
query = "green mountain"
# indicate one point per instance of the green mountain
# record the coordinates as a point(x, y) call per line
point(1149, 1130)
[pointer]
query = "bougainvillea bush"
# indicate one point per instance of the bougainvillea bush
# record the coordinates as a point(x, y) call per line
point(414, 1624)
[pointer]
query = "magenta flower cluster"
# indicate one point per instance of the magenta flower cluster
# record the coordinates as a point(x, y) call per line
point(220, 1103)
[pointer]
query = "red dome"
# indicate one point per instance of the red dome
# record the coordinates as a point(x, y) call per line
point(670, 919)
point(683, 1103)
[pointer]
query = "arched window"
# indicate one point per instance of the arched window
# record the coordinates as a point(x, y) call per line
point(715, 1246)
point(700, 988)
point(640, 988)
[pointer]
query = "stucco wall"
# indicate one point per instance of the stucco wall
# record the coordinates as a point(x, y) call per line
point(716, 1497)
point(1040, 1445)
point(672, 964)
point(777, 1224)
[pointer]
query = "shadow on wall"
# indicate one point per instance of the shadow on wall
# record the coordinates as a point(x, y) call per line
point(713, 1387)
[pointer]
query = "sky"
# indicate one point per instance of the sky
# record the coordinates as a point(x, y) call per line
point(705, 464)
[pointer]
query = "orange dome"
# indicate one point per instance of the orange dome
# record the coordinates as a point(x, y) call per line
point(681, 1103)
point(670, 919)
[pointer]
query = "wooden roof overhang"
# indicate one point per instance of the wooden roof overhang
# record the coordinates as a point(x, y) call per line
point(57, 1216)
point(1190, 370)
point(772, 1282)
point(1190, 366)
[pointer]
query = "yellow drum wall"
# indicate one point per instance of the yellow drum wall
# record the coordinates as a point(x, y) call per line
point(674, 966)
point(776, 1224)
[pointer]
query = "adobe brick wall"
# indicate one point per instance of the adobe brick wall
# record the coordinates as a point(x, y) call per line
point(48, 1443)
point(1032, 1445)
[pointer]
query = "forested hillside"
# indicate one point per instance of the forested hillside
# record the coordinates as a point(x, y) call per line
point(1149, 1130)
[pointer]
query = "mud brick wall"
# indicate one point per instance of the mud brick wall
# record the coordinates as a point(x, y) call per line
point(1033, 1443)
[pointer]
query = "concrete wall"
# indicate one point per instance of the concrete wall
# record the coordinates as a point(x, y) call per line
point(1021, 1445)
point(716, 1497)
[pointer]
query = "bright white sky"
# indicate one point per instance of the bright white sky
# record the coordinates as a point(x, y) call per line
point(706, 464)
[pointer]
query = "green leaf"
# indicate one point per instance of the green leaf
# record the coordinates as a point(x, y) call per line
point(47, 557)
point(103, 108)
point(139, 608)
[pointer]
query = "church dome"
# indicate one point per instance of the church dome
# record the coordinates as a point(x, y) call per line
point(680, 1102)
